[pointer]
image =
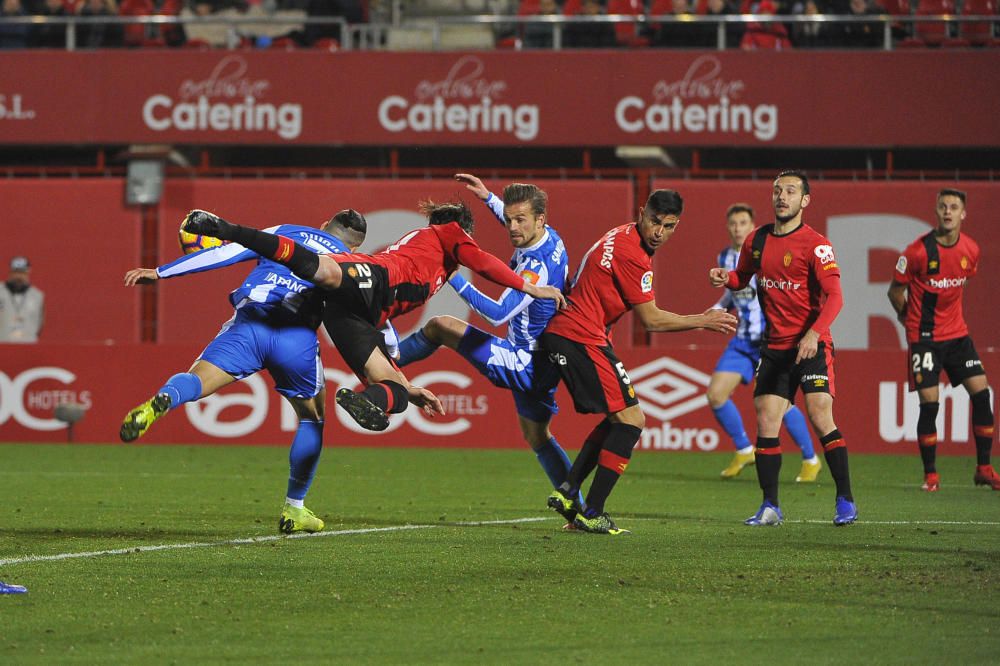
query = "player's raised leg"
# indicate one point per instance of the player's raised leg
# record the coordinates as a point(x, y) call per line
point(321, 270)
point(202, 379)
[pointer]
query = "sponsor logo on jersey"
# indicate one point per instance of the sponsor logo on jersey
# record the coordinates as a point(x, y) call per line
point(932, 264)
point(530, 276)
point(901, 265)
point(964, 262)
point(824, 253)
point(787, 259)
point(647, 282)
point(352, 271)
point(830, 267)
point(783, 285)
point(946, 283)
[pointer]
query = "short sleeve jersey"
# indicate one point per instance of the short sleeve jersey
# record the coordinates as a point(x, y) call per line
point(614, 276)
point(418, 264)
point(935, 276)
point(788, 280)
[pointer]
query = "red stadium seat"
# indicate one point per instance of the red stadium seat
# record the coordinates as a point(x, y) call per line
point(528, 7)
point(627, 34)
point(979, 33)
point(135, 34)
point(572, 7)
point(933, 34)
point(326, 44)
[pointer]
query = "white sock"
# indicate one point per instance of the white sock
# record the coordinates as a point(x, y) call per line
point(298, 504)
point(745, 451)
point(811, 461)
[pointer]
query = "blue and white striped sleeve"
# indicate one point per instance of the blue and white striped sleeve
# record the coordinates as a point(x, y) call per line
point(497, 312)
point(495, 204)
point(206, 260)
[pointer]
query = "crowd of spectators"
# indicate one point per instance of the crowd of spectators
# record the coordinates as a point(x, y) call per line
point(94, 35)
point(683, 33)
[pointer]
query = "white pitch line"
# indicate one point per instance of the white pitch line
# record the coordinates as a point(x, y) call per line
point(907, 522)
point(254, 540)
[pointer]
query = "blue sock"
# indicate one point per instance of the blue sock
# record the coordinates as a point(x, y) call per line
point(796, 425)
point(182, 387)
point(303, 458)
point(415, 347)
point(729, 418)
point(556, 464)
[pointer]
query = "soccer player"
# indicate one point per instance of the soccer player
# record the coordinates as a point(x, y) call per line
point(926, 292)
point(274, 327)
point(615, 276)
point(738, 362)
point(363, 291)
point(798, 284)
point(539, 258)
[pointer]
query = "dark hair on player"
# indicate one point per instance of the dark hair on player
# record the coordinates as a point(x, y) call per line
point(739, 208)
point(796, 173)
point(952, 192)
point(349, 226)
point(450, 211)
point(664, 202)
point(516, 193)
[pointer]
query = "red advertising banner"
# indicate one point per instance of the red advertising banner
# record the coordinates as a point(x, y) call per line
point(873, 409)
point(648, 97)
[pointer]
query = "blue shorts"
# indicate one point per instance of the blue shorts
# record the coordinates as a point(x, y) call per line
point(741, 357)
point(514, 368)
point(290, 354)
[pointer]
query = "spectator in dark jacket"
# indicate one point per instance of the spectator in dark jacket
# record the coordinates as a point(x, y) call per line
point(861, 35)
point(99, 35)
point(14, 36)
point(589, 35)
point(48, 35)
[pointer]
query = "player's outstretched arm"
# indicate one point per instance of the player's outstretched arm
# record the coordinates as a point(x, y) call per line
point(656, 320)
point(474, 185)
point(496, 312)
point(140, 276)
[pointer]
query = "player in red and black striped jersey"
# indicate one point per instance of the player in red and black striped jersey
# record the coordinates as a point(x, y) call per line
point(615, 276)
point(926, 292)
point(798, 284)
point(362, 293)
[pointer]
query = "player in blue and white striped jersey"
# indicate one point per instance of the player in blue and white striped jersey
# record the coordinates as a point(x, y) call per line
point(273, 328)
point(739, 362)
point(539, 257)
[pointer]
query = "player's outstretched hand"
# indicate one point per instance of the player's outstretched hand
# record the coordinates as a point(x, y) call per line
point(474, 185)
point(548, 293)
point(425, 400)
point(718, 277)
point(140, 276)
point(719, 321)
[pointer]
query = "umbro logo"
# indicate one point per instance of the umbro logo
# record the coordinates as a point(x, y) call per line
point(668, 388)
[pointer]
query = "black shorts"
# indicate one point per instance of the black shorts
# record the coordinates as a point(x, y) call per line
point(779, 374)
point(958, 358)
point(352, 312)
point(594, 376)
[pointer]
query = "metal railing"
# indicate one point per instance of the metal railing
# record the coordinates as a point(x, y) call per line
point(372, 36)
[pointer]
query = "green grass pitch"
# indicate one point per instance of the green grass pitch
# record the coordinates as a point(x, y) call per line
point(913, 582)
